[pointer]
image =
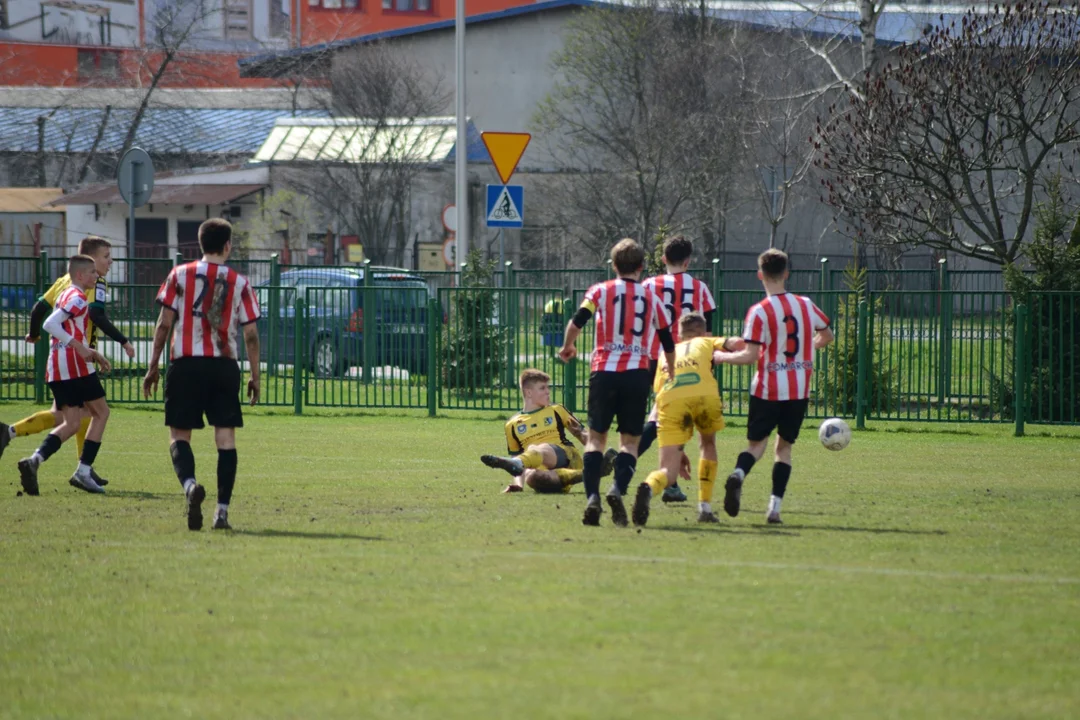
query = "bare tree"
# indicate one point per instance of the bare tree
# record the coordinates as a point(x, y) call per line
point(948, 145)
point(365, 181)
point(640, 122)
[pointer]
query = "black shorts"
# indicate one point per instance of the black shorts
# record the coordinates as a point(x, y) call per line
point(784, 416)
point(561, 460)
point(623, 395)
point(198, 385)
point(76, 392)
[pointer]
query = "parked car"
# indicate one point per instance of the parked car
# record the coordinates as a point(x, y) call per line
point(337, 319)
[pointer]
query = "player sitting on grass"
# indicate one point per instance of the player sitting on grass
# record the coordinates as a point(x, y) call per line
point(101, 251)
point(72, 380)
point(541, 454)
point(690, 399)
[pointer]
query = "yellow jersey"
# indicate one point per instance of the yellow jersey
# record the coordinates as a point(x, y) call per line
point(97, 299)
point(549, 424)
point(693, 370)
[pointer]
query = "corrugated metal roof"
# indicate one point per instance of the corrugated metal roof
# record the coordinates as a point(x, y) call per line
point(28, 200)
point(162, 131)
point(360, 140)
point(109, 194)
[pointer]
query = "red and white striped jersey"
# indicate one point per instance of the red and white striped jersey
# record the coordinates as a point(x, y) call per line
point(211, 302)
point(680, 293)
point(627, 314)
point(64, 362)
point(784, 326)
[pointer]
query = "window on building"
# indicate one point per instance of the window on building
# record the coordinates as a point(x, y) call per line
point(279, 18)
point(335, 4)
point(98, 64)
point(421, 6)
point(237, 19)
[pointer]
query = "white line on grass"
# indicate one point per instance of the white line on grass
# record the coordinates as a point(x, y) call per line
point(803, 567)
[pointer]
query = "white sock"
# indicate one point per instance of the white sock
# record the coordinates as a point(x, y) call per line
point(774, 504)
point(222, 509)
point(83, 471)
point(11, 431)
point(740, 473)
point(704, 507)
point(37, 458)
point(188, 484)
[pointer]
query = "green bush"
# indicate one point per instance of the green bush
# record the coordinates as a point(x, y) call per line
point(840, 384)
point(473, 352)
point(1054, 318)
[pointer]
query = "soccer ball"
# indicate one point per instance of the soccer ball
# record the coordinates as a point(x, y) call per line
point(834, 434)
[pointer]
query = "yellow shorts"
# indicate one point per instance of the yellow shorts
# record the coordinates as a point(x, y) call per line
point(677, 419)
point(573, 457)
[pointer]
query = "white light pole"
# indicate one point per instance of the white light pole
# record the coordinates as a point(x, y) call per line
point(461, 158)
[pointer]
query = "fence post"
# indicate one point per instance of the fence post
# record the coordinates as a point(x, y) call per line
point(715, 278)
point(823, 281)
point(570, 389)
point(41, 347)
point(861, 369)
point(1020, 356)
point(368, 329)
point(299, 359)
point(509, 305)
point(274, 311)
point(433, 322)
point(945, 332)
point(177, 260)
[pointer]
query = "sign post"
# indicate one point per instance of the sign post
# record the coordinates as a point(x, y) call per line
point(505, 203)
point(135, 179)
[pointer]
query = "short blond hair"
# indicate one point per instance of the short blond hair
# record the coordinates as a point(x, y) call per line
point(78, 263)
point(91, 244)
point(627, 256)
point(692, 323)
point(532, 376)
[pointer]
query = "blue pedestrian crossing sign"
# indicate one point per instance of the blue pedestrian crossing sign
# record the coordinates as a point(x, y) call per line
point(505, 206)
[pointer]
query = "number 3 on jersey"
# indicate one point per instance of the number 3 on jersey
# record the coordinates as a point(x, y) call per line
point(791, 326)
point(640, 311)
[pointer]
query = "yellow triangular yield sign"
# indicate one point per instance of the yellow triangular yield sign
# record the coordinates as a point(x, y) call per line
point(505, 149)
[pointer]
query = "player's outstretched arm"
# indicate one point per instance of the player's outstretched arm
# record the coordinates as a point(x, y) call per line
point(166, 318)
point(747, 356)
point(823, 337)
point(251, 344)
point(38, 313)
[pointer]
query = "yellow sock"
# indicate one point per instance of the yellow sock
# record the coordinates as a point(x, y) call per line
point(706, 478)
point(80, 435)
point(568, 477)
point(36, 423)
point(657, 480)
point(531, 459)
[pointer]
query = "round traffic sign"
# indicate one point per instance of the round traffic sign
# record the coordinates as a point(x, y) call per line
point(135, 177)
point(449, 250)
point(449, 218)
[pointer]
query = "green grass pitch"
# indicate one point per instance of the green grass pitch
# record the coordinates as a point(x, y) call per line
point(377, 572)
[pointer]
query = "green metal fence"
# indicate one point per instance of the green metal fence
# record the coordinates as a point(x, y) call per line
point(939, 354)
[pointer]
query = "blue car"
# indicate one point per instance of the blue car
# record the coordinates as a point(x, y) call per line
point(338, 319)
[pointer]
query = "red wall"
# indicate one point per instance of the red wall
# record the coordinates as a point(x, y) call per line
point(26, 64)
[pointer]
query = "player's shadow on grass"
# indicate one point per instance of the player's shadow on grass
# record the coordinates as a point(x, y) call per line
point(306, 535)
point(140, 495)
point(724, 530)
point(872, 531)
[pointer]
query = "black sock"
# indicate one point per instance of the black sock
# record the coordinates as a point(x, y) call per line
point(183, 460)
point(590, 472)
point(648, 436)
point(781, 473)
point(226, 475)
point(625, 464)
point(89, 452)
point(49, 445)
point(745, 462)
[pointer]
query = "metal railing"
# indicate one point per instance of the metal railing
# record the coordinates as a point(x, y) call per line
point(935, 355)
